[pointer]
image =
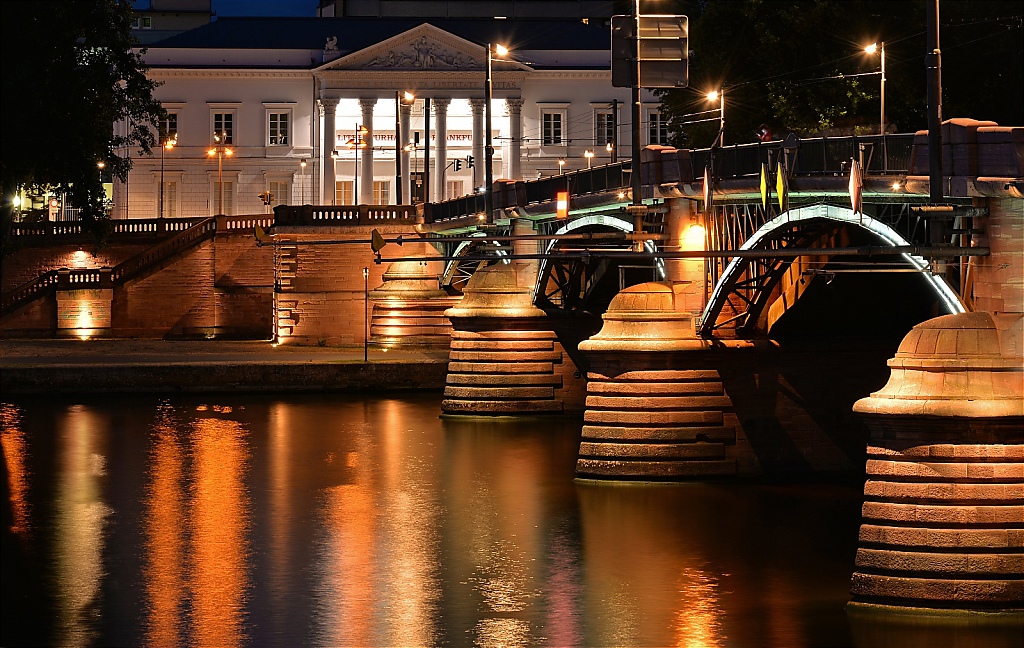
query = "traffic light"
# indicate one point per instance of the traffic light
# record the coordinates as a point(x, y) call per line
point(469, 161)
point(562, 204)
point(458, 165)
point(266, 197)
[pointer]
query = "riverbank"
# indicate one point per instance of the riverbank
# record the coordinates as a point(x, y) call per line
point(97, 366)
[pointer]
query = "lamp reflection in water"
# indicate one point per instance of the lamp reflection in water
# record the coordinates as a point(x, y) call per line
point(200, 513)
point(379, 540)
point(165, 543)
point(81, 517)
point(12, 440)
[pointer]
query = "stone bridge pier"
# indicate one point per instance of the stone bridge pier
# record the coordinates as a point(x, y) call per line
point(944, 497)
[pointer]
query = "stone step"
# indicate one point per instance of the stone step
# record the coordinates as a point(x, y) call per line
point(945, 492)
point(679, 388)
point(963, 539)
point(653, 451)
point(506, 356)
point(695, 433)
point(502, 345)
point(654, 469)
point(948, 591)
point(966, 563)
point(499, 393)
point(645, 403)
point(662, 418)
point(501, 368)
point(960, 470)
point(931, 514)
point(504, 379)
point(456, 406)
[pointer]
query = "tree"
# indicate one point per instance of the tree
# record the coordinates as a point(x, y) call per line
point(68, 74)
point(799, 66)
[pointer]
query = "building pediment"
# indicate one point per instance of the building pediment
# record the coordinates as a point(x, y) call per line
point(424, 48)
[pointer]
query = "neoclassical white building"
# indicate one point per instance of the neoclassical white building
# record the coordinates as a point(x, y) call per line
point(290, 94)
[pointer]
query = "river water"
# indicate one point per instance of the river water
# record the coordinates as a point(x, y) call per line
point(339, 520)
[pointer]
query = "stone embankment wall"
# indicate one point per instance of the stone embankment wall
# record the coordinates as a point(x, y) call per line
point(222, 286)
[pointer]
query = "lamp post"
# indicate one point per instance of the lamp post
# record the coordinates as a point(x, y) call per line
point(366, 323)
point(488, 147)
point(590, 158)
point(220, 149)
point(880, 48)
point(302, 181)
point(355, 144)
point(561, 165)
point(719, 96)
point(166, 145)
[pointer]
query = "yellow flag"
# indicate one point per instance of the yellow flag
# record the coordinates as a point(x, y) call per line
point(780, 186)
point(764, 187)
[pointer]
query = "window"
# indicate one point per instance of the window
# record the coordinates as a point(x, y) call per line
point(277, 130)
point(229, 197)
point(170, 207)
point(281, 193)
point(343, 193)
point(142, 22)
point(604, 128)
point(224, 122)
point(658, 133)
point(381, 192)
point(551, 127)
point(455, 189)
point(169, 127)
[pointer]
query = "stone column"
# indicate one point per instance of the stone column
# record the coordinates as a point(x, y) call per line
point(366, 154)
point(515, 120)
point(441, 147)
point(477, 107)
point(406, 120)
point(329, 106)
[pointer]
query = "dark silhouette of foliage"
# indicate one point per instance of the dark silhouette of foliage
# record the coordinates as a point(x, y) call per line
point(794, 66)
point(68, 74)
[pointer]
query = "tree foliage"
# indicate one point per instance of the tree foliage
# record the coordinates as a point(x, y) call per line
point(799, 66)
point(68, 74)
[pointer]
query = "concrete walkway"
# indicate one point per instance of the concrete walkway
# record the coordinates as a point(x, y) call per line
point(48, 366)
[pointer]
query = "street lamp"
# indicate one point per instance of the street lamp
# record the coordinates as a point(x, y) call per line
point(880, 48)
point(366, 324)
point(302, 181)
point(357, 143)
point(167, 145)
point(488, 147)
point(590, 157)
point(220, 149)
point(561, 165)
point(719, 96)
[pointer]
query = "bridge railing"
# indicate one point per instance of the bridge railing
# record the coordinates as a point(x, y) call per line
point(54, 231)
point(310, 215)
point(888, 154)
point(815, 155)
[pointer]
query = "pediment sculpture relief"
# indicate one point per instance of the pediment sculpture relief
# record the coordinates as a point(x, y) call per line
point(424, 55)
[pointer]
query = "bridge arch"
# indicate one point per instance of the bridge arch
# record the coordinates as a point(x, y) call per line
point(555, 277)
point(458, 270)
point(752, 281)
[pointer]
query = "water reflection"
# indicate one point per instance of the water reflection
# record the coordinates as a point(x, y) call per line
point(335, 521)
point(163, 525)
point(15, 447)
point(196, 529)
point(81, 515)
